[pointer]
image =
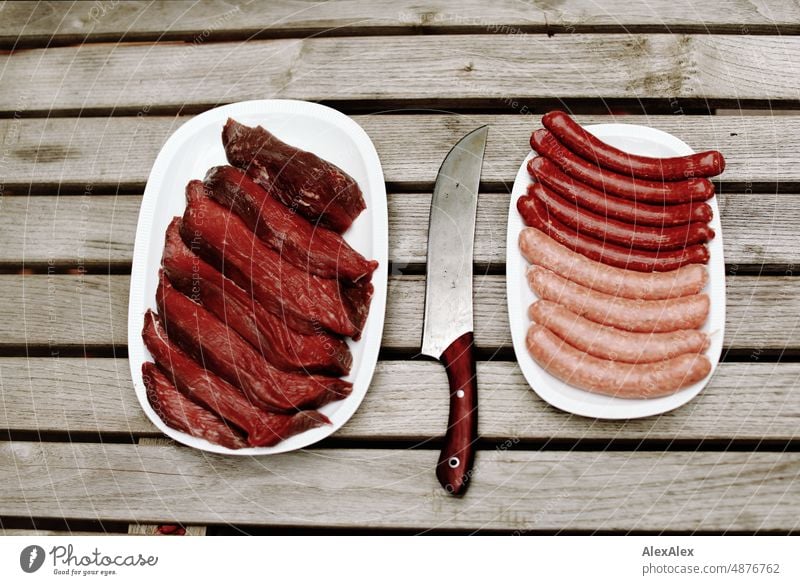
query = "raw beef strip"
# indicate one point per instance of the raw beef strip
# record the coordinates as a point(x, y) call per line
point(285, 348)
point(307, 303)
point(263, 428)
point(315, 249)
point(184, 415)
point(224, 352)
point(313, 187)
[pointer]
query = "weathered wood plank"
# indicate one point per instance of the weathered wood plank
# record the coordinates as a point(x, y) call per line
point(427, 70)
point(79, 232)
point(511, 490)
point(75, 395)
point(407, 401)
point(99, 231)
point(32, 532)
point(29, 24)
point(59, 311)
point(155, 529)
point(95, 155)
point(62, 311)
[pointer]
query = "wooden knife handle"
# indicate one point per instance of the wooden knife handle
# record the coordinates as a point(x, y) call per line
point(454, 469)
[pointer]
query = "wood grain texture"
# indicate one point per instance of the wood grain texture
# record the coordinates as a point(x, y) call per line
point(99, 155)
point(37, 533)
point(99, 231)
point(59, 311)
point(445, 70)
point(512, 490)
point(29, 24)
point(80, 231)
point(73, 395)
point(407, 401)
point(154, 529)
point(75, 165)
point(67, 312)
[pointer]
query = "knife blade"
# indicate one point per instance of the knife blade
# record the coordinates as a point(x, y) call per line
point(447, 330)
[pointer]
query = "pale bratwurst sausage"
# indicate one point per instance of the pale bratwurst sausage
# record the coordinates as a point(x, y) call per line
point(615, 344)
point(688, 312)
point(540, 249)
point(618, 379)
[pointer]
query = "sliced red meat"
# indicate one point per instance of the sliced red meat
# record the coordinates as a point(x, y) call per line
point(307, 303)
point(184, 415)
point(315, 249)
point(285, 348)
point(224, 352)
point(263, 428)
point(304, 182)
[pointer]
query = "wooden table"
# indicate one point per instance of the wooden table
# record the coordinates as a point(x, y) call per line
point(90, 91)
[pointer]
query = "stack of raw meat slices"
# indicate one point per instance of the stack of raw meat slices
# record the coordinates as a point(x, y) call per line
point(617, 247)
point(257, 293)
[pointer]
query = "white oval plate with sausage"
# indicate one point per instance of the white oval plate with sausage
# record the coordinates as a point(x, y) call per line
point(638, 140)
point(197, 146)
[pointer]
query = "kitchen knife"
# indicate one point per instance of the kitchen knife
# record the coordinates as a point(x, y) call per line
point(447, 327)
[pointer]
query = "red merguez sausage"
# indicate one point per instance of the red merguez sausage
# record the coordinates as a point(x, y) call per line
point(313, 187)
point(619, 208)
point(548, 145)
point(285, 348)
point(261, 427)
point(534, 214)
point(184, 415)
point(587, 145)
point(624, 234)
point(207, 339)
point(307, 303)
point(313, 248)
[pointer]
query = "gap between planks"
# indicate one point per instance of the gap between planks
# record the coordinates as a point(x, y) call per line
point(27, 25)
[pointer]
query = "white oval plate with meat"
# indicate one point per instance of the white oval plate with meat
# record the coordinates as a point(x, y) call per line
point(197, 146)
point(637, 140)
